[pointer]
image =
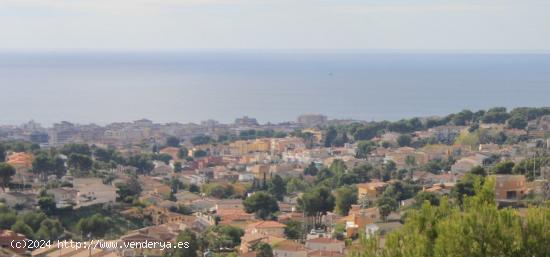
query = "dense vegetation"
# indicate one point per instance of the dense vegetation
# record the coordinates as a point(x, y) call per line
point(475, 228)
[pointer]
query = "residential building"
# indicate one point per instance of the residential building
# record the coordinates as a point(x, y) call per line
point(325, 244)
point(509, 187)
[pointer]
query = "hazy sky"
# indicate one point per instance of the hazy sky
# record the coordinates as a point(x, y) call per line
point(281, 24)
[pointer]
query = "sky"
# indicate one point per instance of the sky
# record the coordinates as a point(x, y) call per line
point(456, 25)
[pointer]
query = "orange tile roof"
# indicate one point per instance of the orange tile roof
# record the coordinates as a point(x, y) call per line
point(268, 224)
point(324, 240)
point(289, 246)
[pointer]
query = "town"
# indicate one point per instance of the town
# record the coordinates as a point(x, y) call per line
point(472, 183)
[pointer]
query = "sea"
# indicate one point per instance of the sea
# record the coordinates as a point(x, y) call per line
point(272, 86)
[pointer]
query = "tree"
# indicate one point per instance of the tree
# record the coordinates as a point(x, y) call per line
point(330, 136)
point(178, 167)
point(345, 197)
point(189, 239)
point(517, 122)
point(261, 203)
point(6, 172)
point(80, 162)
point(422, 197)
point(200, 140)
point(386, 205)
point(495, 115)
point(183, 153)
point(324, 174)
point(172, 141)
point(317, 202)
point(338, 166)
point(199, 153)
point(219, 190)
point(48, 163)
point(220, 237)
point(22, 228)
point(294, 229)
point(277, 187)
point(364, 148)
point(163, 157)
point(142, 163)
point(410, 161)
point(295, 185)
point(50, 229)
point(7, 219)
point(311, 169)
point(462, 118)
point(264, 250)
point(2, 153)
point(128, 191)
point(404, 140)
point(96, 226)
point(74, 148)
point(33, 219)
point(363, 172)
point(478, 170)
point(47, 204)
point(503, 167)
point(479, 228)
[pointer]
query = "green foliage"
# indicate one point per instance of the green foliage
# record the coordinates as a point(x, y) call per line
point(74, 148)
point(2, 152)
point(48, 163)
point(404, 140)
point(128, 191)
point(163, 157)
point(386, 205)
point(263, 250)
point(261, 203)
point(178, 167)
point(330, 136)
point(295, 185)
point(108, 155)
point(33, 219)
point(191, 251)
point(478, 229)
point(200, 153)
point(7, 219)
point(517, 122)
point(344, 198)
point(364, 147)
point(183, 153)
point(294, 229)
point(200, 140)
point(95, 226)
point(363, 172)
point(21, 227)
point(466, 187)
point(172, 141)
point(277, 187)
point(495, 115)
point(50, 229)
point(324, 174)
point(6, 172)
point(221, 237)
point(462, 118)
point(47, 204)
point(142, 162)
point(317, 202)
point(429, 197)
point(436, 166)
point(503, 167)
point(219, 190)
point(311, 169)
point(79, 162)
